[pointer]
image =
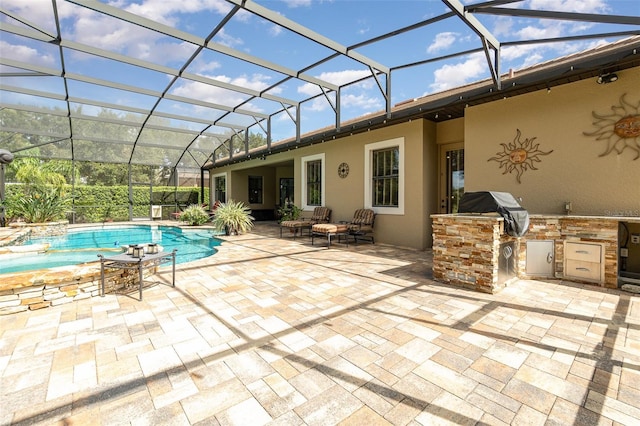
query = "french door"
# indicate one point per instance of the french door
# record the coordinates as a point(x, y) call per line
point(451, 176)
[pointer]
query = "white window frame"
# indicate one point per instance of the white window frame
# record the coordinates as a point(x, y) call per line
point(212, 189)
point(368, 175)
point(303, 178)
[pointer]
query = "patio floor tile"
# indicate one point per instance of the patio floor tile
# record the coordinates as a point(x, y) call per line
point(280, 332)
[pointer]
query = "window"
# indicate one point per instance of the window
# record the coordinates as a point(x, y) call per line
point(314, 183)
point(220, 188)
point(384, 176)
point(313, 172)
point(255, 189)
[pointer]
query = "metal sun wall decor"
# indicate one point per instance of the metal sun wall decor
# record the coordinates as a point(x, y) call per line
point(620, 129)
point(519, 156)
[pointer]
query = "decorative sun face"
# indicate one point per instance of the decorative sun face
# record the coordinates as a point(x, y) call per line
point(620, 129)
point(519, 156)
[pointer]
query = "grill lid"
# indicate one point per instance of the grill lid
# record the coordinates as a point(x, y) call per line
point(516, 219)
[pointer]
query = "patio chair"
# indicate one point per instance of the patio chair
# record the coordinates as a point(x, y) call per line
point(320, 215)
point(360, 228)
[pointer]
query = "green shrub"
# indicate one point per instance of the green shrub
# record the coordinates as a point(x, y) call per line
point(37, 205)
point(194, 215)
point(290, 212)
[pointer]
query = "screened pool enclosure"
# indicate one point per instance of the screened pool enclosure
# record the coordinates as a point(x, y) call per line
point(152, 98)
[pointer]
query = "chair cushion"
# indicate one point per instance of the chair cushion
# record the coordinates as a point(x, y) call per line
point(330, 228)
point(294, 223)
point(363, 217)
point(320, 214)
point(361, 228)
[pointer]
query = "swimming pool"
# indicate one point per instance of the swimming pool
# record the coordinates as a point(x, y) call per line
point(84, 244)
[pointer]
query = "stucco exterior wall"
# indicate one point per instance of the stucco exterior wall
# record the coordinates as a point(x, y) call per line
point(345, 195)
point(561, 165)
point(239, 188)
point(576, 170)
point(450, 131)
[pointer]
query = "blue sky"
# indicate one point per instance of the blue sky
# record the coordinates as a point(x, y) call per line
point(347, 22)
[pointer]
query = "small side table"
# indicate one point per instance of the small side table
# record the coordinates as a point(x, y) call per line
point(125, 261)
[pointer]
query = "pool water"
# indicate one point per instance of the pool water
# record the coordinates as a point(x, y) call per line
point(84, 245)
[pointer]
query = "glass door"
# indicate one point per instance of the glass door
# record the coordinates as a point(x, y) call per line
point(451, 177)
point(286, 191)
point(220, 188)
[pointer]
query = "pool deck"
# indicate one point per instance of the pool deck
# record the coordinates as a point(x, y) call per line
point(277, 331)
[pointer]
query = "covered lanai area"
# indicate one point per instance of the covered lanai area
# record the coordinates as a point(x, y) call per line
point(175, 92)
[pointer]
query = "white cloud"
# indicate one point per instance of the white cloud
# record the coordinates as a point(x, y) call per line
point(214, 94)
point(37, 11)
point(536, 33)
point(297, 3)
point(358, 101)
point(26, 54)
point(361, 101)
point(502, 26)
point(546, 28)
point(442, 41)
point(580, 6)
point(512, 53)
point(338, 77)
point(202, 68)
point(352, 96)
point(166, 11)
point(364, 26)
point(275, 30)
point(319, 104)
point(449, 76)
point(228, 40)
point(104, 32)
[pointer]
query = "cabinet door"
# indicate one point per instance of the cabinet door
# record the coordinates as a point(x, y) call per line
point(540, 258)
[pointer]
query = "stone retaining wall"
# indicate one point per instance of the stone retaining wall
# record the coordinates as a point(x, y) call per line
point(46, 229)
point(50, 287)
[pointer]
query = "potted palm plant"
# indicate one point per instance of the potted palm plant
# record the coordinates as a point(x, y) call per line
point(289, 212)
point(233, 218)
point(194, 215)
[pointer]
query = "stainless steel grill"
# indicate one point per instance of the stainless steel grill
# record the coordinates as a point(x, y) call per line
point(516, 219)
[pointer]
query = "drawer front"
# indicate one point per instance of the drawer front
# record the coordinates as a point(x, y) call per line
point(584, 270)
point(583, 251)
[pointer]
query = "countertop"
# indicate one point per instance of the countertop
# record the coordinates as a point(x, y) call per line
point(493, 216)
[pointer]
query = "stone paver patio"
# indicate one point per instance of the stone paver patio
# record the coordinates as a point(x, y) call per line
point(277, 331)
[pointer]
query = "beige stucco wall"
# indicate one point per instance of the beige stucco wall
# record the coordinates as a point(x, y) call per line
point(239, 186)
point(346, 195)
point(575, 171)
point(450, 131)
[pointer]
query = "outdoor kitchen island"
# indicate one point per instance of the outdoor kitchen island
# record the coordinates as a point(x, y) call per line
point(473, 251)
